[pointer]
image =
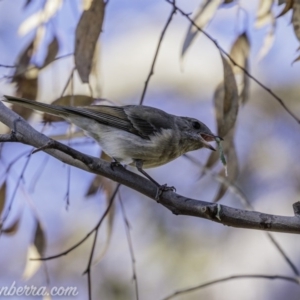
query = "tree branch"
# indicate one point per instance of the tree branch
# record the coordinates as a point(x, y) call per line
point(176, 203)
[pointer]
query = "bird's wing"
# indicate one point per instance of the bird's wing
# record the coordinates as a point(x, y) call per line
point(117, 117)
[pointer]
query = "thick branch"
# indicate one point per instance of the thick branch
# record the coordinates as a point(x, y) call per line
point(178, 204)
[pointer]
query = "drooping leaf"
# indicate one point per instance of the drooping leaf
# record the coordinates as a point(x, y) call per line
point(230, 101)
point(41, 17)
point(12, 228)
point(201, 19)
point(26, 88)
point(287, 7)
point(31, 266)
point(2, 196)
point(39, 239)
point(239, 53)
point(226, 102)
point(23, 60)
point(86, 4)
point(268, 40)
point(87, 34)
point(53, 48)
point(69, 100)
point(296, 18)
point(26, 80)
point(264, 14)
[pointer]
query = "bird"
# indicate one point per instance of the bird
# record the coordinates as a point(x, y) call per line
point(137, 135)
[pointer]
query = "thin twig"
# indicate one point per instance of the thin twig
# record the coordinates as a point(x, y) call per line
point(280, 101)
point(130, 246)
point(88, 269)
point(38, 174)
point(278, 247)
point(255, 276)
point(86, 237)
point(246, 203)
point(21, 177)
point(68, 81)
point(156, 54)
point(7, 66)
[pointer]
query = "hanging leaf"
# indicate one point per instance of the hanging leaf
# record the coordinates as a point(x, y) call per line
point(296, 18)
point(23, 60)
point(287, 7)
point(53, 48)
point(41, 17)
point(2, 196)
point(87, 34)
point(69, 100)
point(86, 4)
point(226, 102)
point(39, 239)
point(268, 40)
point(202, 17)
point(12, 229)
point(264, 14)
point(31, 266)
point(230, 102)
point(26, 80)
point(239, 53)
point(26, 88)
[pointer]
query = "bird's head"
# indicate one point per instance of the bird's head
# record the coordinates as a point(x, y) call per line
point(195, 134)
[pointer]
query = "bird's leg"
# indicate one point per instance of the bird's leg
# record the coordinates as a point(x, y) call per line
point(161, 188)
point(115, 163)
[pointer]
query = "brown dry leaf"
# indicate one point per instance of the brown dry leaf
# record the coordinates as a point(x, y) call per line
point(13, 228)
point(23, 60)
point(264, 13)
point(287, 7)
point(202, 17)
point(26, 81)
point(53, 48)
point(239, 53)
point(87, 34)
point(39, 238)
point(2, 196)
point(226, 101)
point(230, 101)
point(26, 88)
point(69, 100)
point(296, 18)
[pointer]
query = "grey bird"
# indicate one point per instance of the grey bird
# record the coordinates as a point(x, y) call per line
point(136, 135)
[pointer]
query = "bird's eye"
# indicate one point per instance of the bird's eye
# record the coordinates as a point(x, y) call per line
point(196, 125)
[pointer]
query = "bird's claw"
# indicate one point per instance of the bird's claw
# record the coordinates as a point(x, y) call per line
point(163, 188)
point(114, 164)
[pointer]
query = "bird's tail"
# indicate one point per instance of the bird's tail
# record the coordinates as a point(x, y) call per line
point(55, 110)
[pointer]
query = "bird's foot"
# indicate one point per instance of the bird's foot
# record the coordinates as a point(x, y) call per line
point(114, 164)
point(163, 188)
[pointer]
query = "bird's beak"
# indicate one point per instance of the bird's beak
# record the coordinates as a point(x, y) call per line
point(206, 138)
